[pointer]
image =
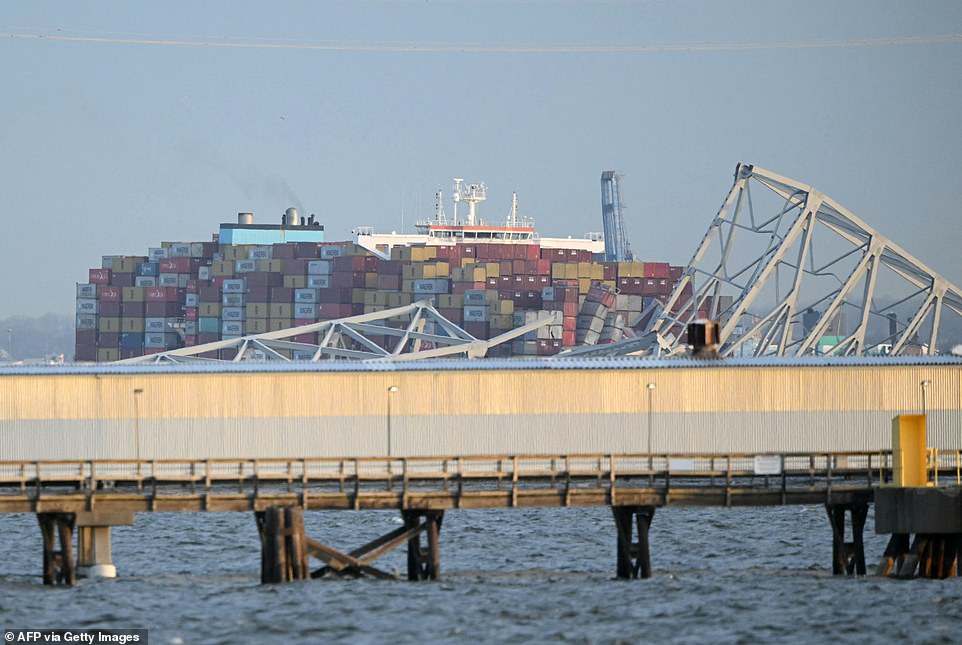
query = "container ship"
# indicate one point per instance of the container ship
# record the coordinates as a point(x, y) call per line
point(254, 278)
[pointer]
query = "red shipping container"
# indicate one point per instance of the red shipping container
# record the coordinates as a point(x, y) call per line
point(505, 294)
point(517, 267)
point(295, 266)
point(209, 294)
point(492, 283)
point(282, 295)
point(344, 280)
point(444, 252)
point(99, 276)
point(259, 295)
point(153, 350)
point(506, 282)
point(161, 294)
point(132, 309)
point(85, 353)
point(332, 296)
point(108, 292)
point(477, 329)
point(283, 251)
point(190, 341)
point(656, 269)
point(392, 267)
point(130, 353)
point(610, 271)
point(108, 339)
point(532, 252)
point(332, 310)
point(192, 285)
point(304, 338)
point(388, 282)
point(675, 273)
point(266, 278)
point(110, 308)
point(467, 250)
point(307, 250)
point(348, 264)
point(357, 310)
point(86, 337)
point(123, 279)
point(218, 281)
point(454, 315)
point(158, 309)
point(174, 265)
point(370, 264)
point(190, 313)
point(532, 299)
point(209, 249)
point(569, 308)
point(568, 338)
point(210, 336)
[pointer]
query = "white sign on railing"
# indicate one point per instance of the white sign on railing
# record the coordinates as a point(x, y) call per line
point(768, 465)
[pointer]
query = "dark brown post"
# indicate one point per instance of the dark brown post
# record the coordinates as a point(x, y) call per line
point(58, 565)
point(847, 557)
point(424, 563)
point(283, 545)
point(634, 558)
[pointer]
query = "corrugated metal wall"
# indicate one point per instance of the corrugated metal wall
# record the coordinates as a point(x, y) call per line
point(323, 413)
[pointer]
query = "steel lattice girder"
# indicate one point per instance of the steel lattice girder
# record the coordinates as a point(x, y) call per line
point(790, 247)
point(347, 338)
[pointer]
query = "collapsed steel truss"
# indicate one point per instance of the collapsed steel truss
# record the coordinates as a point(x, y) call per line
point(348, 338)
point(793, 316)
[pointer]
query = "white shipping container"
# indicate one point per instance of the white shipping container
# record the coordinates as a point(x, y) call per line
point(190, 300)
point(474, 297)
point(190, 327)
point(233, 299)
point(233, 328)
point(179, 250)
point(318, 267)
point(182, 280)
point(233, 313)
point(547, 293)
point(155, 325)
point(305, 295)
point(197, 249)
point(86, 321)
point(245, 266)
point(260, 253)
point(305, 311)
point(203, 273)
point(160, 340)
point(430, 286)
point(107, 261)
point(234, 285)
point(145, 281)
point(318, 281)
point(167, 280)
point(88, 306)
point(476, 313)
point(625, 302)
point(155, 254)
point(86, 290)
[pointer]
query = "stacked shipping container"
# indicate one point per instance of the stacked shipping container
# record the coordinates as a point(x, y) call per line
point(185, 294)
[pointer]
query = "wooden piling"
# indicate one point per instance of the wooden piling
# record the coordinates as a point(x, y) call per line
point(59, 566)
point(633, 558)
point(283, 545)
point(423, 563)
point(847, 557)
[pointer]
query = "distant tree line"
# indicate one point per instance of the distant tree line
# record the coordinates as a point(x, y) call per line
point(25, 338)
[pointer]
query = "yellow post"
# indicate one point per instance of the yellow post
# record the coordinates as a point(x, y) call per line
point(909, 452)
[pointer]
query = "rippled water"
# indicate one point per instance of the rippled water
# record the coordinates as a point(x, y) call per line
point(533, 575)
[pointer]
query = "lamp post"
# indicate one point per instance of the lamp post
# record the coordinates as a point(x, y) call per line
point(391, 391)
point(651, 392)
point(924, 385)
point(10, 342)
point(137, 393)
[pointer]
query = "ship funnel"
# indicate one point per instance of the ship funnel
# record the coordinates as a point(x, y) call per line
point(245, 218)
point(290, 217)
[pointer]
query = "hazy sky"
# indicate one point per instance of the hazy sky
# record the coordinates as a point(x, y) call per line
point(129, 123)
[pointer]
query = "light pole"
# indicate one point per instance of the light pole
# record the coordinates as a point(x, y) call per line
point(391, 391)
point(924, 385)
point(651, 392)
point(10, 342)
point(137, 393)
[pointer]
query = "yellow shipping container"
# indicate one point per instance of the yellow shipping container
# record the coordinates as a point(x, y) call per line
point(429, 271)
point(597, 271)
point(108, 324)
point(281, 310)
point(257, 310)
point(370, 280)
point(257, 325)
point(502, 321)
point(295, 281)
point(270, 266)
point(395, 299)
point(108, 354)
point(132, 294)
point(277, 324)
point(492, 269)
point(503, 307)
point(451, 300)
point(611, 284)
point(407, 286)
point(208, 309)
point(423, 253)
point(467, 263)
point(571, 271)
point(583, 285)
point(222, 268)
point(442, 269)
point(126, 264)
point(401, 253)
point(585, 270)
point(371, 309)
point(134, 325)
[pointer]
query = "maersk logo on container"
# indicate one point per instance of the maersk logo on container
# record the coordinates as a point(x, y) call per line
point(245, 266)
point(260, 253)
point(87, 306)
point(305, 295)
point(234, 285)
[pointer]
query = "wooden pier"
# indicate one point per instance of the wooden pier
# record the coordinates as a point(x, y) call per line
point(279, 491)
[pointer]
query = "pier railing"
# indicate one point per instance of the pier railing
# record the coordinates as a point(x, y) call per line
point(451, 482)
